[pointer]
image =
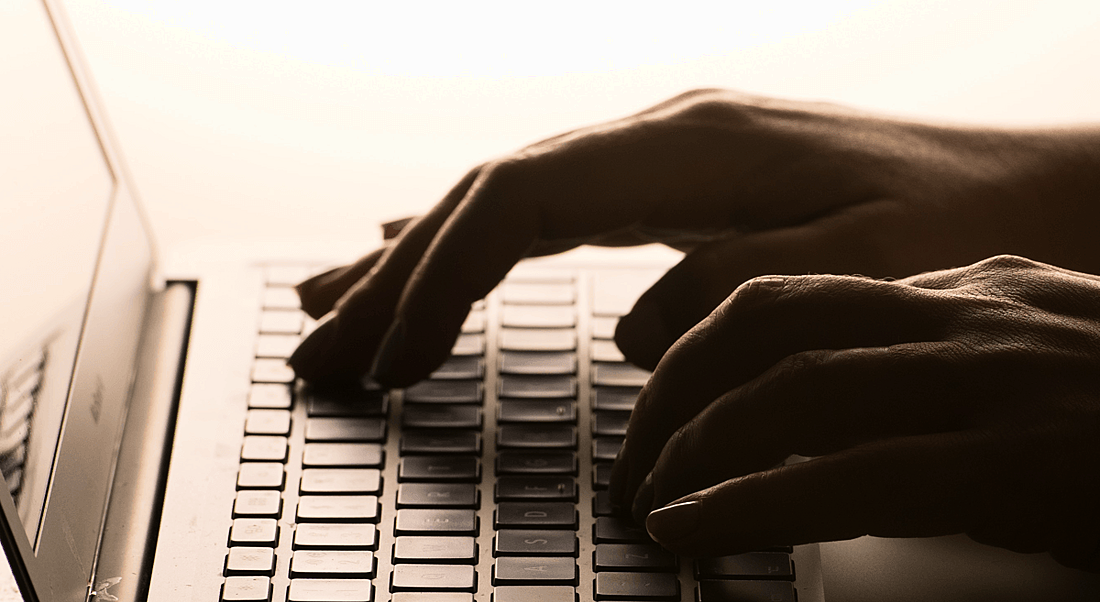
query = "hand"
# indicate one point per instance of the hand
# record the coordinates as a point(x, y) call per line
point(965, 400)
point(748, 186)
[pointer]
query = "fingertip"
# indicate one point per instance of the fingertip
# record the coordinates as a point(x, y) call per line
point(675, 523)
point(643, 335)
point(313, 353)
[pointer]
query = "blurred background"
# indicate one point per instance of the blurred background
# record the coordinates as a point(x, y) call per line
point(286, 120)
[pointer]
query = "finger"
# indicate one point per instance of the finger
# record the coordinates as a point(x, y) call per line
point(320, 293)
point(912, 487)
point(764, 321)
point(812, 404)
point(343, 347)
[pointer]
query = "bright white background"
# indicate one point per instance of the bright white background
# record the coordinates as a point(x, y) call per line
point(323, 117)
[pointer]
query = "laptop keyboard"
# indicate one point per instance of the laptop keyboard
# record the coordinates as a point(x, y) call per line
point(487, 481)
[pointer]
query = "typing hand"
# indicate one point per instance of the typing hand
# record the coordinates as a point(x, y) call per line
point(964, 400)
point(748, 186)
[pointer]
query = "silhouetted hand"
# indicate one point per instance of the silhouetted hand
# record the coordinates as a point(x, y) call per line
point(747, 186)
point(957, 401)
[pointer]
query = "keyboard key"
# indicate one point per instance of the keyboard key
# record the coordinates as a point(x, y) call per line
point(341, 480)
point(250, 561)
point(518, 570)
point(281, 297)
point(242, 589)
point(538, 362)
point(604, 449)
point(468, 344)
point(440, 468)
point(260, 475)
point(638, 586)
point(536, 462)
point(351, 403)
point(285, 275)
point(347, 536)
point(601, 504)
point(538, 386)
point(525, 593)
point(530, 293)
point(278, 321)
point(447, 550)
point(610, 423)
point(332, 563)
point(538, 316)
point(619, 374)
point(474, 322)
point(418, 521)
point(449, 416)
point(538, 339)
point(266, 370)
point(338, 509)
point(346, 429)
point(460, 368)
point(536, 410)
point(253, 532)
point(342, 455)
point(533, 488)
point(264, 448)
point(634, 557)
point(619, 399)
point(437, 495)
point(539, 515)
point(432, 597)
point(267, 422)
point(612, 529)
point(274, 396)
point(601, 475)
point(433, 577)
point(440, 442)
point(330, 590)
point(258, 503)
point(765, 591)
point(537, 436)
point(754, 565)
point(535, 542)
point(605, 351)
point(278, 346)
point(445, 391)
point(603, 327)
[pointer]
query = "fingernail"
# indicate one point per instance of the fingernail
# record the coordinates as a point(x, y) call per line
point(673, 522)
point(643, 500)
point(388, 352)
point(314, 351)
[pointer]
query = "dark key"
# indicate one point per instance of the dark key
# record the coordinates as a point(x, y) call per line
point(246, 589)
point(604, 449)
point(538, 339)
point(612, 529)
point(445, 550)
point(638, 586)
point(537, 515)
point(264, 448)
point(551, 570)
point(433, 578)
point(618, 374)
point(341, 480)
point(440, 468)
point(254, 532)
point(350, 403)
point(510, 461)
point(258, 503)
point(346, 429)
point(538, 316)
point(342, 454)
point(634, 557)
point(610, 423)
point(538, 362)
point(273, 396)
point(445, 391)
point(618, 399)
point(330, 590)
point(449, 416)
point(332, 563)
point(250, 561)
point(342, 536)
point(534, 593)
point(601, 475)
point(538, 386)
point(460, 368)
point(338, 508)
point(537, 436)
point(534, 542)
point(440, 442)
point(601, 504)
point(750, 591)
point(754, 565)
point(532, 488)
point(437, 495)
point(418, 521)
point(536, 410)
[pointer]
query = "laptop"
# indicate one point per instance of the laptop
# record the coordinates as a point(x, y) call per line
point(154, 446)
